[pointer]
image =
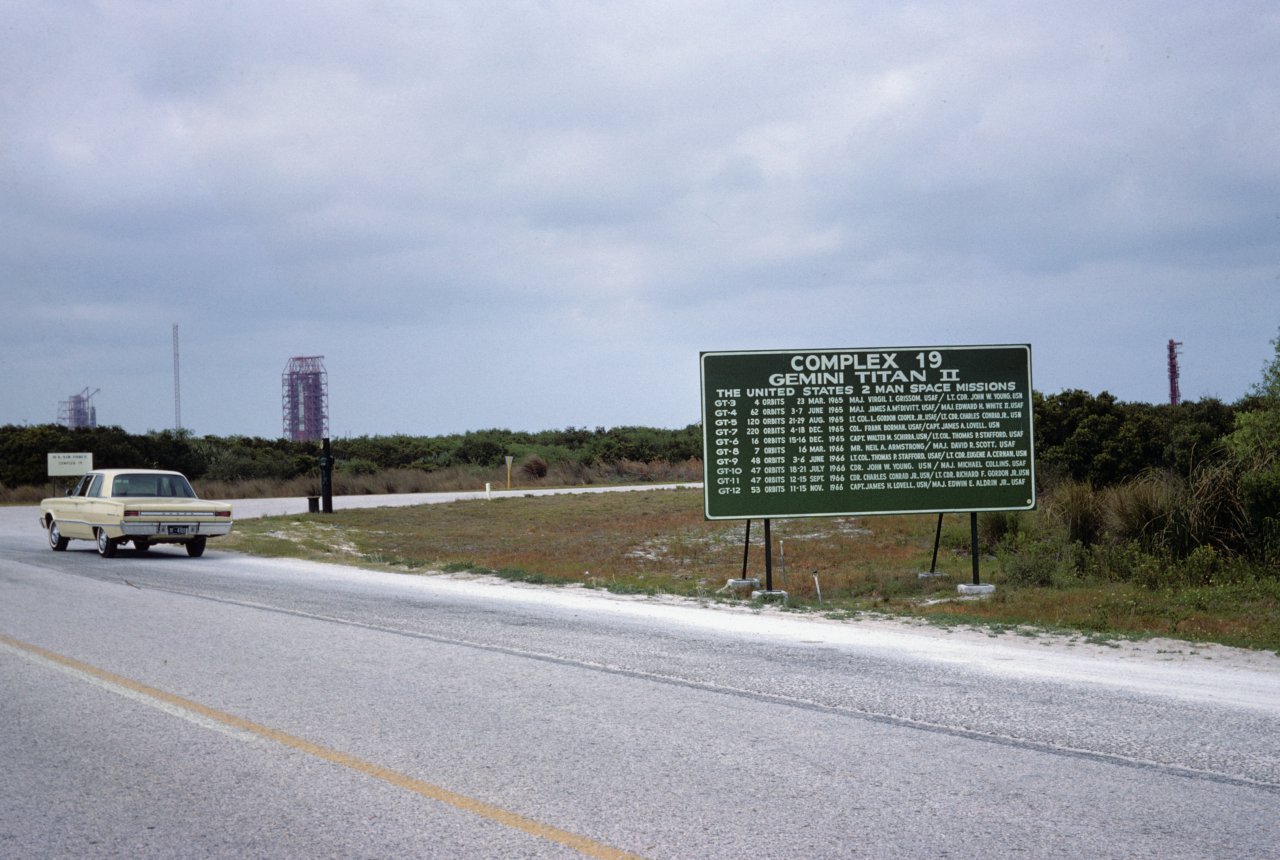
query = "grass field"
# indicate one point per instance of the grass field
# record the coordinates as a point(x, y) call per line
point(658, 542)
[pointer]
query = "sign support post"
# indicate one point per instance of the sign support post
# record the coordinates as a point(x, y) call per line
point(937, 542)
point(973, 540)
point(768, 557)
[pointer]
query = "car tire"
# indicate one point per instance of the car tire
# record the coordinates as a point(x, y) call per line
point(57, 542)
point(195, 547)
point(106, 545)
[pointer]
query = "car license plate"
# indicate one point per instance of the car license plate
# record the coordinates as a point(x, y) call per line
point(177, 530)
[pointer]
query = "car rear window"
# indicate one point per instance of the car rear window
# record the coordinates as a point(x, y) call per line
point(152, 486)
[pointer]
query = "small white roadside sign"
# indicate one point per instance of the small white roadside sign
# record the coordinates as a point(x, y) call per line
point(63, 465)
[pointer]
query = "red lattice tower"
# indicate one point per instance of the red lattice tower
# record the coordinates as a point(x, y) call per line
point(305, 398)
point(1175, 394)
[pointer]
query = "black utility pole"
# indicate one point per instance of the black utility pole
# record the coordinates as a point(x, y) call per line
point(326, 477)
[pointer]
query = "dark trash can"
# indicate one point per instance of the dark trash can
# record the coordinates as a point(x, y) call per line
point(313, 504)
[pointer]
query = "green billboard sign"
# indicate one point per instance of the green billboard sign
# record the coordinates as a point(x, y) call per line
point(834, 432)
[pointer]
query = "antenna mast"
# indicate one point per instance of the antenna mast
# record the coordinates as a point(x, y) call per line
point(177, 387)
point(1175, 395)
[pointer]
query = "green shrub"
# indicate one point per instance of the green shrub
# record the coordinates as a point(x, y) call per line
point(1203, 566)
point(998, 527)
point(1038, 563)
point(534, 467)
point(1114, 562)
point(1267, 545)
point(1260, 503)
point(357, 467)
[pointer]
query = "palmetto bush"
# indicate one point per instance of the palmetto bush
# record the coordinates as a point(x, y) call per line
point(1078, 510)
point(1158, 529)
point(1217, 515)
point(1172, 516)
point(1151, 513)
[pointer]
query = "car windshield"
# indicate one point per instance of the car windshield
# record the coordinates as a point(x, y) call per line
point(152, 485)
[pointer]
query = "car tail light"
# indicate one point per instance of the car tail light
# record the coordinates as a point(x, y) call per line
point(132, 514)
point(222, 513)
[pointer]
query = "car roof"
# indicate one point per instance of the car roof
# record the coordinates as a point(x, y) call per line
point(111, 473)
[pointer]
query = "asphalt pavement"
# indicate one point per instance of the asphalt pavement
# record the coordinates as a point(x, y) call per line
point(157, 706)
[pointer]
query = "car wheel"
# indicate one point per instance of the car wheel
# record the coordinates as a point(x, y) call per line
point(195, 547)
point(106, 546)
point(141, 545)
point(57, 542)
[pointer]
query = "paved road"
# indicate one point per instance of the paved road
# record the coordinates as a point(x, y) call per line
point(160, 706)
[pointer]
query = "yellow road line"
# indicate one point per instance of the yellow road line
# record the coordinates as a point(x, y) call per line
point(582, 844)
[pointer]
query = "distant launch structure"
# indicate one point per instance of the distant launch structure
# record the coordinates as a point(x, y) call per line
point(1175, 394)
point(305, 398)
point(77, 411)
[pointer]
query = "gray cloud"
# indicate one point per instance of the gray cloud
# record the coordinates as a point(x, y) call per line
point(536, 215)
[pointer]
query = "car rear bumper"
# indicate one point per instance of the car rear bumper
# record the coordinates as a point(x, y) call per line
point(170, 530)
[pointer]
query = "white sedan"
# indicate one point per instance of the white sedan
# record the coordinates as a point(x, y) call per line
point(141, 506)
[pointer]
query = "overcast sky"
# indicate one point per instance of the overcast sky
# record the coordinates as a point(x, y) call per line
point(535, 215)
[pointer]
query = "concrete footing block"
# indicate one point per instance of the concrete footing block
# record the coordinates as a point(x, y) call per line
point(976, 590)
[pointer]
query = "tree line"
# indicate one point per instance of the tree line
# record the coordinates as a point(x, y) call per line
point(24, 450)
point(1095, 439)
